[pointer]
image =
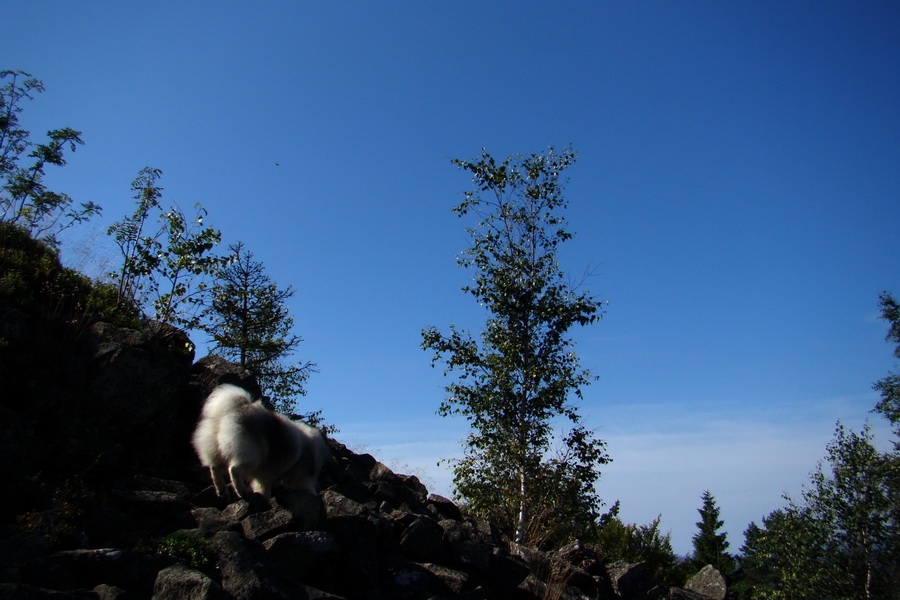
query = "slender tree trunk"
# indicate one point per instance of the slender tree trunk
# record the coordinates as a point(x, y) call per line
point(523, 513)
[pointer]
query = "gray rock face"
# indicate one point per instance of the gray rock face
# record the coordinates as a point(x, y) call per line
point(709, 583)
point(631, 580)
point(179, 581)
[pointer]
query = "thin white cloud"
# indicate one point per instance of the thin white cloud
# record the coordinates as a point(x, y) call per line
point(663, 457)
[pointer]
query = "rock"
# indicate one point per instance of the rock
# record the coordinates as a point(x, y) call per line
point(19, 591)
point(307, 508)
point(408, 581)
point(85, 569)
point(359, 570)
point(338, 505)
point(110, 592)
point(179, 581)
point(262, 526)
point(469, 543)
point(508, 572)
point(245, 571)
point(709, 583)
point(423, 540)
point(446, 580)
point(210, 520)
point(147, 503)
point(309, 557)
point(443, 508)
point(683, 594)
point(631, 581)
point(212, 371)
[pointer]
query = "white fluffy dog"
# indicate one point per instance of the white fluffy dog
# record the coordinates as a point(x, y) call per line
point(255, 444)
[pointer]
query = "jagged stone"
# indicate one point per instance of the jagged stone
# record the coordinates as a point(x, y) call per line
point(380, 472)
point(447, 580)
point(85, 569)
point(21, 591)
point(307, 508)
point(683, 594)
point(508, 572)
point(245, 573)
point(110, 592)
point(240, 509)
point(412, 483)
point(709, 583)
point(210, 520)
point(469, 543)
point(359, 567)
point(338, 505)
point(443, 508)
point(184, 583)
point(164, 505)
point(423, 540)
point(408, 581)
point(262, 526)
point(582, 557)
point(386, 493)
point(631, 581)
point(307, 557)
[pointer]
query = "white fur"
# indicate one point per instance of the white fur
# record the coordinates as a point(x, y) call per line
point(256, 445)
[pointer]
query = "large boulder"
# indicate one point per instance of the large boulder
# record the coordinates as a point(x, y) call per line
point(708, 582)
point(632, 581)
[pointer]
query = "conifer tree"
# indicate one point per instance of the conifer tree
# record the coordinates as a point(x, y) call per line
point(250, 324)
point(709, 545)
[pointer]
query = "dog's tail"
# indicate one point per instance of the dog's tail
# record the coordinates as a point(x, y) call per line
point(225, 399)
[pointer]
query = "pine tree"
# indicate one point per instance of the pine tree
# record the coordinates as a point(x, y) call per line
point(250, 324)
point(709, 545)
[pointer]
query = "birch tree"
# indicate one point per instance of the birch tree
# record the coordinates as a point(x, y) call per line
point(515, 383)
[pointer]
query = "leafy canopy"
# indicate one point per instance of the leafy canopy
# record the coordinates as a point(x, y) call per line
point(514, 383)
point(25, 201)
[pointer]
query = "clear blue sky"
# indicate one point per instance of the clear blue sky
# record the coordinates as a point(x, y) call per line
point(737, 194)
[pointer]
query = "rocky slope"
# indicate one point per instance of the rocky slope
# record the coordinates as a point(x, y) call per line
point(105, 498)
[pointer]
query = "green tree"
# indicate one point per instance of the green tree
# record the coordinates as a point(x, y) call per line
point(785, 558)
point(515, 383)
point(889, 387)
point(616, 540)
point(856, 504)
point(25, 200)
point(710, 546)
point(250, 324)
point(840, 541)
point(168, 270)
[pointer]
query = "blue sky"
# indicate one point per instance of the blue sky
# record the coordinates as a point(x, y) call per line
point(736, 196)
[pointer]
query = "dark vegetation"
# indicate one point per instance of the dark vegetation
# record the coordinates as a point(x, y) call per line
point(101, 393)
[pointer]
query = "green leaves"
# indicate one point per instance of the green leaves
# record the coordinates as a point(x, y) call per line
point(166, 270)
point(841, 540)
point(515, 379)
point(25, 200)
point(889, 386)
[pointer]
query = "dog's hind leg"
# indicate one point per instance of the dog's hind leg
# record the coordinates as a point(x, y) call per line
point(240, 485)
point(217, 473)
